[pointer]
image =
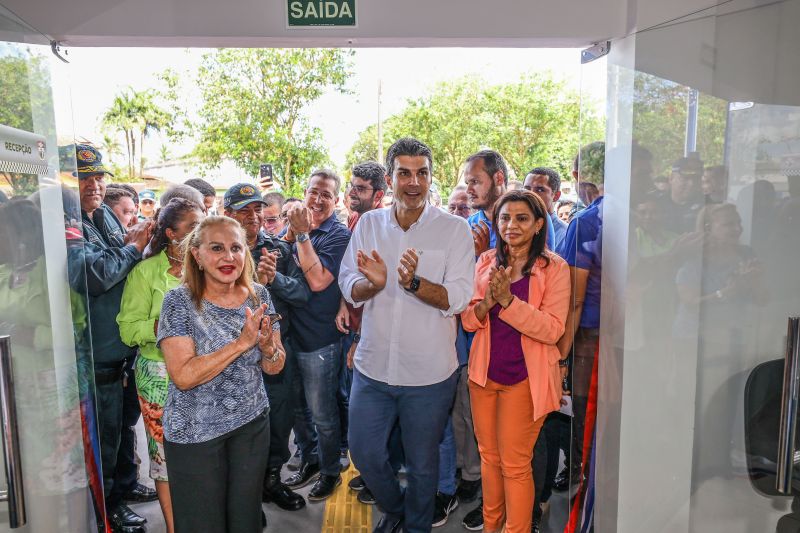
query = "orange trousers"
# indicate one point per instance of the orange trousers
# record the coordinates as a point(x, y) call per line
point(506, 433)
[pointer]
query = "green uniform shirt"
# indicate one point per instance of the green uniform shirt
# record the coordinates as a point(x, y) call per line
point(144, 292)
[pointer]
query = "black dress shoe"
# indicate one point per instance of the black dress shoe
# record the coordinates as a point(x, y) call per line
point(324, 487)
point(357, 484)
point(305, 474)
point(468, 490)
point(122, 516)
point(388, 524)
point(366, 497)
point(141, 494)
point(279, 494)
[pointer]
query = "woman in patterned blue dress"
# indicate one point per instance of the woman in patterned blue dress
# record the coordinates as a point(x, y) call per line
point(217, 337)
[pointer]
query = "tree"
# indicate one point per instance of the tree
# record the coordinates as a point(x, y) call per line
point(136, 114)
point(25, 84)
point(539, 121)
point(659, 123)
point(535, 121)
point(253, 103)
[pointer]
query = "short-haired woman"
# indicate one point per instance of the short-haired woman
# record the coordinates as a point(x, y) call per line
point(518, 312)
point(138, 316)
point(217, 337)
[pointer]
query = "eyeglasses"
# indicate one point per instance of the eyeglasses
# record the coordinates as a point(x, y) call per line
point(284, 216)
point(360, 189)
point(325, 196)
point(272, 220)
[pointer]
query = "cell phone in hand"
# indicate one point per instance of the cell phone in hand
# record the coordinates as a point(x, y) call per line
point(265, 175)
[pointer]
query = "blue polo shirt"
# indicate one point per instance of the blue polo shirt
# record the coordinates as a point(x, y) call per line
point(582, 247)
point(559, 229)
point(479, 216)
point(314, 325)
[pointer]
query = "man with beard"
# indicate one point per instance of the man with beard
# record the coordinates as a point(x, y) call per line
point(486, 176)
point(366, 191)
point(277, 271)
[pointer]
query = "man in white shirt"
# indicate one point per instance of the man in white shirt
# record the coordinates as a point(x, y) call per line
point(411, 266)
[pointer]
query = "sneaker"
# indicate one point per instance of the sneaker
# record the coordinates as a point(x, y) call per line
point(444, 505)
point(474, 519)
point(366, 497)
point(468, 490)
point(357, 484)
point(324, 487)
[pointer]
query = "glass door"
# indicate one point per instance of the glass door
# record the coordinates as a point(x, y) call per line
point(700, 229)
point(52, 480)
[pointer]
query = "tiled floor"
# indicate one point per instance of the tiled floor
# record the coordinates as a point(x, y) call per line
point(347, 510)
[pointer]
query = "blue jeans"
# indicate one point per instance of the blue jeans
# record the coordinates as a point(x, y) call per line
point(319, 375)
point(345, 384)
point(447, 460)
point(422, 414)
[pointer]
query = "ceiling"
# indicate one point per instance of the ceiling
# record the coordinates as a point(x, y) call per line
point(413, 23)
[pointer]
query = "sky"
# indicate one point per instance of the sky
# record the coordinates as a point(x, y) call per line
point(404, 73)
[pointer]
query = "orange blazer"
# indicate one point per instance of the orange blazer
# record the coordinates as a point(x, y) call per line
point(540, 321)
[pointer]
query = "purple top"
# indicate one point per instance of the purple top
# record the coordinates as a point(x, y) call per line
point(506, 361)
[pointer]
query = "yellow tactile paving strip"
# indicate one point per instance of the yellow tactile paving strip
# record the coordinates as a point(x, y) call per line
point(343, 512)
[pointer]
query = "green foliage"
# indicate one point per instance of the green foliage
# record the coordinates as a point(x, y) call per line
point(659, 122)
point(24, 94)
point(532, 122)
point(253, 103)
point(136, 115)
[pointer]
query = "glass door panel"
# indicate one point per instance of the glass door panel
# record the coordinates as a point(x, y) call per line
point(699, 235)
point(43, 300)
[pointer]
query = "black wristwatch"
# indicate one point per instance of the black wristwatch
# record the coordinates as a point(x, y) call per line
point(414, 287)
point(356, 338)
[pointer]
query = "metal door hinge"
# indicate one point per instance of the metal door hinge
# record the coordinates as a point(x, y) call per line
point(55, 46)
point(595, 51)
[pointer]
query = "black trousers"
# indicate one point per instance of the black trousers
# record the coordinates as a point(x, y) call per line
point(281, 409)
point(216, 485)
point(127, 471)
point(110, 396)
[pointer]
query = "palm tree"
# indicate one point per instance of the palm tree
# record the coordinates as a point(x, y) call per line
point(136, 115)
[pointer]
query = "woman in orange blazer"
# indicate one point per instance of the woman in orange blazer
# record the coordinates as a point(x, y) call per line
point(518, 311)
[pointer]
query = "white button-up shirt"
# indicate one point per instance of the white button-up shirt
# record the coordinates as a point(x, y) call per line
point(405, 341)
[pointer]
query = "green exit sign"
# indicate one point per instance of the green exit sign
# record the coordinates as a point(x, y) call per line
point(305, 13)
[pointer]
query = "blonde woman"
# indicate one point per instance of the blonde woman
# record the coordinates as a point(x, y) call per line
point(139, 312)
point(217, 336)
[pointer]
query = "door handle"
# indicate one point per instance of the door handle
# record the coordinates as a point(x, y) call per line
point(15, 495)
point(789, 407)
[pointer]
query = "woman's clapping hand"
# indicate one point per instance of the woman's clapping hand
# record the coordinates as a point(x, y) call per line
point(252, 326)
